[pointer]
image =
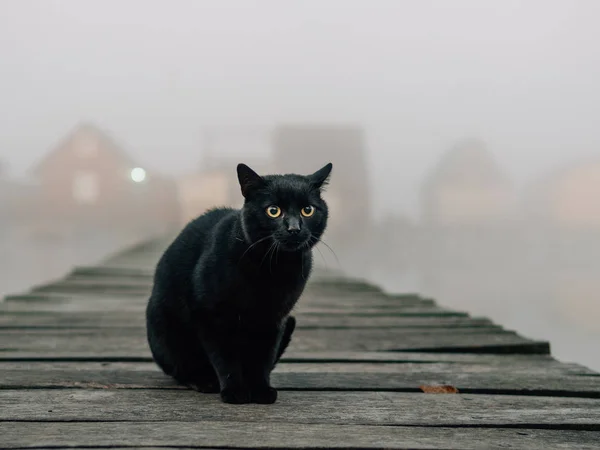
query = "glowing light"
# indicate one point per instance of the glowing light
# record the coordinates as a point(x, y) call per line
point(138, 175)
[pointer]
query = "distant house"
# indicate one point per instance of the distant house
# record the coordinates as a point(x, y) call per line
point(88, 180)
point(306, 148)
point(562, 212)
point(567, 197)
point(467, 187)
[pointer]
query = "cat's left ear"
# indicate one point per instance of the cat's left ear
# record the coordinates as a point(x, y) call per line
point(249, 179)
point(320, 178)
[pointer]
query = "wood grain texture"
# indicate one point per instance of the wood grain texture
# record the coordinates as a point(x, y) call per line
point(76, 372)
point(551, 379)
point(232, 434)
point(358, 408)
point(105, 302)
point(121, 319)
point(355, 357)
point(126, 343)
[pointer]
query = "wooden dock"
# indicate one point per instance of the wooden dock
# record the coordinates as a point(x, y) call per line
point(364, 370)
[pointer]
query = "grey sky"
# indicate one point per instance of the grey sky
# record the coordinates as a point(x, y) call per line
point(523, 75)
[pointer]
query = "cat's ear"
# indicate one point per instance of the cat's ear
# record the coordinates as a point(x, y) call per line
point(249, 179)
point(320, 178)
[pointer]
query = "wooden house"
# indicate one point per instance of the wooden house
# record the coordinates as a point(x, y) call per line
point(467, 186)
point(567, 197)
point(88, 180)
point(562, 214)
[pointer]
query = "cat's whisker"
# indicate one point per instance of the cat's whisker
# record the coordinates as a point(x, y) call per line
point(254, 244)
point(271, 259)
point(317, 241)
point(267, 254)
point(322, 257)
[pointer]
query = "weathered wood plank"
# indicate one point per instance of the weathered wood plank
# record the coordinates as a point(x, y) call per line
point(113, 303)
point(309, 304)
point(233, 434)
point(410, 357)
point(57, 292)
point(297, 357)
point(32, 319)
point(519, 378)
point(338, 357)
point(101, 270)
point(90, 285)
point(325, 362)
point(93, 305)
point(83, 302)
point(325, 335)
point(130, 342)
point(342, 287)
point(358, 408)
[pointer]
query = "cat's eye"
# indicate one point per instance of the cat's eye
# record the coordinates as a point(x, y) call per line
point(308, 211)
point(274, 211)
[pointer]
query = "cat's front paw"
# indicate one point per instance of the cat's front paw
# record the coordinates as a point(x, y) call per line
point(235, 395)
point(264, 395)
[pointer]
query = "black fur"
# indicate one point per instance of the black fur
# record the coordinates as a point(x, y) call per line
point(218, 317)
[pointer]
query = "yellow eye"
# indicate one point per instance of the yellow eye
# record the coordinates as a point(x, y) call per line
point(308, 211)
point(274, 211)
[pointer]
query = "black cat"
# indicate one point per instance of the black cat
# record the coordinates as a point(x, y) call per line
point(218, 317)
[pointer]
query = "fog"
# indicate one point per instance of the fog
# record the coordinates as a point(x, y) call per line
point(509, 90)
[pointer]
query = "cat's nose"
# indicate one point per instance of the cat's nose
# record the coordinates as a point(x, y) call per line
point(293, 226)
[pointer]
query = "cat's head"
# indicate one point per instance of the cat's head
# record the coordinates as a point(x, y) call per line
point(285, 208)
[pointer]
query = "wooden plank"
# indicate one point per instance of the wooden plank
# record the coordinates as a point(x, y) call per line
point(70, 290)
point(293, 356)
point(324, 335)
point(114, 303)
point(61, 292)
point(83, 284)
point(542, 380)
point(130, 343)
point(346, 288)
point(94, 305)
point(111, 272)
point(98, 303)
point(357, 408)
point(137, 320)
point(307, 301)
point(234, 434)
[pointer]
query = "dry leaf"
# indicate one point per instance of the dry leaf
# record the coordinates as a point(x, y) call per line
point(440, 389)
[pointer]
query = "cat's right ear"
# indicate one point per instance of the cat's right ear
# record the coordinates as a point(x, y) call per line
point(249, 179)
point(320, 178)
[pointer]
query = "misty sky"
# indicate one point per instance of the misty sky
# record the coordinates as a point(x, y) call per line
point(523, 75)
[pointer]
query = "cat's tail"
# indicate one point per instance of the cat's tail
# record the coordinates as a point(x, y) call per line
point(286, 338)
